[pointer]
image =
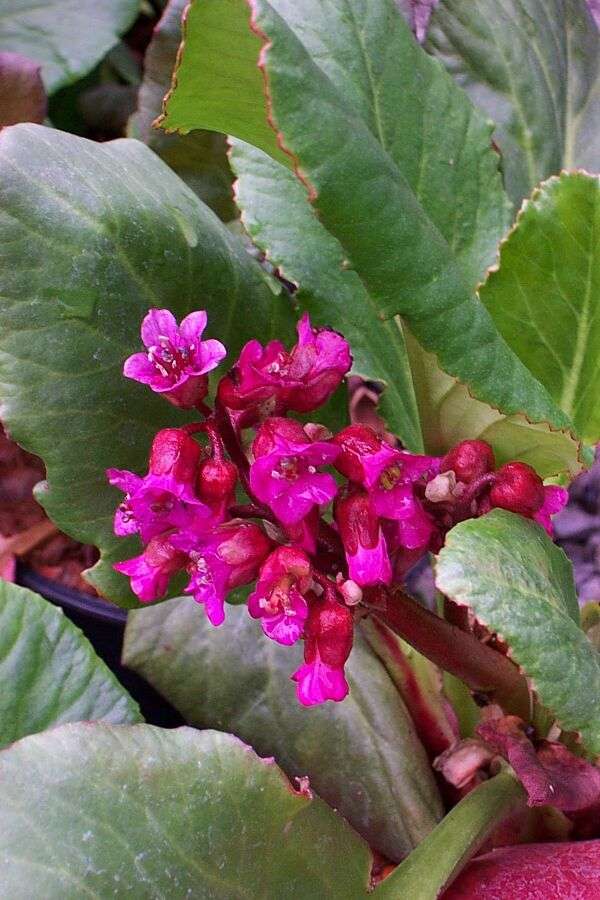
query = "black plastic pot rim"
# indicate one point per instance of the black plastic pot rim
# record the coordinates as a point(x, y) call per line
point(71, 599)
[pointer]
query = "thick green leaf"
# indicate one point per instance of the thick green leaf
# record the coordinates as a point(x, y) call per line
point(396, 245)
point(49, 672)
point(68, 37)
point(520, 585)
point(90, 810)
point(362, 755)
point(199, 158)
point(278, 217)
point(545, 294)
point(534, 67)
point(449, 414)
point(91, 236)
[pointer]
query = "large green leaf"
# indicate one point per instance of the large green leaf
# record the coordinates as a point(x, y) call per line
point(520, 585)
point(545, 294)
point(90, 810)
point(199, 158)
point(68, 37)
point(49, 671)
point(396, 245)
point(362, 756)
point(449, 414)
point(534, 67)
point(278, 217)
point(91, 236)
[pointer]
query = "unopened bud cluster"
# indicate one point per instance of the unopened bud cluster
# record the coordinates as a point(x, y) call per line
point(389, 507)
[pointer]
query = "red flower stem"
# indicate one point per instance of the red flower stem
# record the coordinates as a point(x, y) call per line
point(327, 585)
point(483, 669)
point(231, 440)
point(204, 408)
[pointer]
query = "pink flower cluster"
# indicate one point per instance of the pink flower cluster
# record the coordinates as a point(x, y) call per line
point(311, 570)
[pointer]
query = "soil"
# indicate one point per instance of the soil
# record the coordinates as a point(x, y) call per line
point(46, 550)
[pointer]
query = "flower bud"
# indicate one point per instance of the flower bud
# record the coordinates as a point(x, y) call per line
point(216, 480)
point(356, 442)
point(469, 460)
point(363, 540)
point(518, 488)
point(174, 453)
point(328, 642)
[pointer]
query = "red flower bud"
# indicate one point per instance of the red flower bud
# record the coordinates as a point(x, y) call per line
point(356, 441)
point(329, 631)
point(216, 480)
point(174, 453)
point(357, 521)
point(469, 460)
point(518, 488)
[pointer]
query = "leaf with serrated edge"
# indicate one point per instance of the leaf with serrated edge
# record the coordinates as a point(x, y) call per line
point(93, 810)
point(520, 585)
point(544, 295)
point(91, 236)
point(362, 755)
point(49, 671)
point(68, 37)
point(279, 219)
point(198, 158)
point(397, 248)
point(449, 414)
point(533, 66)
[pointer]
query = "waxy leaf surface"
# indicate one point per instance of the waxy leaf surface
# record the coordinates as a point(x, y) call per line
point(397, 245)
point(90, 810)
point(198, 158)
point(362, 755)
point(49, 671)
point(280, 220)
point(68, 37)
point(520, 585)
point(545, 294)
point(92, 236)
point(533, 66)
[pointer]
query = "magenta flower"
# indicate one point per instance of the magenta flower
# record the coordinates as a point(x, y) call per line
point(278, 600)
point(555, 498)
point(151, 572)
point(221, 561)
point(316, 367)
point(270, 380)
point(327, 646)
point(156, 503)
point(363, 540)
point(177, 360)
point(284, 473)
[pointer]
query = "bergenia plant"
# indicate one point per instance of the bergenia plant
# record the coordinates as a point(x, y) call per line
point(372, 599)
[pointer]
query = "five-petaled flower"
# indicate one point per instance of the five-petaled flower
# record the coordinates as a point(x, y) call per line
point(177, 360)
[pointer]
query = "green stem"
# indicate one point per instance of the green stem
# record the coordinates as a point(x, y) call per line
point(436, 862)
point(483, 669)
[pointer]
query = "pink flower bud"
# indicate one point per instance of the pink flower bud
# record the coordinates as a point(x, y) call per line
point(469, 460)
point(518, 488)
point(174, 453)
point(278, 600)
point(363, 540)
point(216, 480)
point(328, 642)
